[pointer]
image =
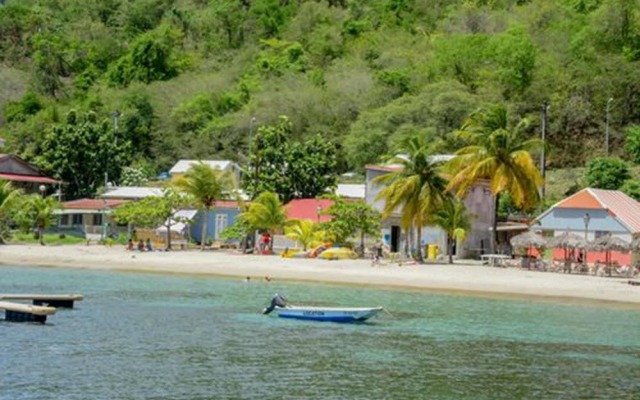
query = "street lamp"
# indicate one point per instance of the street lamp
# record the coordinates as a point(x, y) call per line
point(545, 110)
point(43, 190)
point(251, 122)
point(606, 132)
point(586, 220)
point(318, 211)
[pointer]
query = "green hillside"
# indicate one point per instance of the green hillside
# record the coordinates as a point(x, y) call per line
point(188, 76)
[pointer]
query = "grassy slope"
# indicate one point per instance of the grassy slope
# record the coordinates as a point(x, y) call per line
point(14, 84)
point(559, 181)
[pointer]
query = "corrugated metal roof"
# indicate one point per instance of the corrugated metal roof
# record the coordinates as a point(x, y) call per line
point(626, 209)
point(227, 204)
point(620, 206)
point(133, 192)
point(91, 204)
point(183, 166)
point(27, 178)
point(582, 199)
point(351, 191)
point(385, 168)
point(179, 221)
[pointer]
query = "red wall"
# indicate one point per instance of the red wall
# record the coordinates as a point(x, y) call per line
point(592, 257)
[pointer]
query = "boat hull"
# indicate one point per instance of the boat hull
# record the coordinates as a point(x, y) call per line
point(328, 314)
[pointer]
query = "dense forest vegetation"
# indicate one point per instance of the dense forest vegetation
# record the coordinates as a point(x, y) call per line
point(195, 78)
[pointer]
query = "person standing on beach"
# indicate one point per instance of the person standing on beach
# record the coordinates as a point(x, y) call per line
point(377, 252)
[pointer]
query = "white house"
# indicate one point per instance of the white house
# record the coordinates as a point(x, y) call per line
point(351, 191)
point(183, 166)
point(132, 193)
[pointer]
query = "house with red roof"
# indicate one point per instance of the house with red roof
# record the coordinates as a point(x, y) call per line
point(24, 175)
point(90, 218)
point(478, 200)
point(311, 209)
point(593, 213)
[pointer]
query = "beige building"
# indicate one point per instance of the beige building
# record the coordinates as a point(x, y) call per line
point(479, 203)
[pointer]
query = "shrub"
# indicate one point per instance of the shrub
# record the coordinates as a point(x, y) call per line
point(607, 173)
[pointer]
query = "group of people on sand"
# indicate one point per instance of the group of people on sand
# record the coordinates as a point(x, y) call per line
point(266, 279)
point(142, 245)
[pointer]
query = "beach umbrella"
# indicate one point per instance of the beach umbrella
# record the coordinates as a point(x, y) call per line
point(610, 243)
point(568, 241)
point(527, 240)
point(607, 244)
point(635, 245)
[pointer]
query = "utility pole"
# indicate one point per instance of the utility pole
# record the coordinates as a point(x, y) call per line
point(606, 132)
point(253, 121)
point(545, 110)
point(255, 173)
point(115, 115)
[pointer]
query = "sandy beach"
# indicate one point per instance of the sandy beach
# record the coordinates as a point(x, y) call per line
point(469, 279)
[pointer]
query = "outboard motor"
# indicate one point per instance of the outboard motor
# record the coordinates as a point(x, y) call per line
point(276, 301)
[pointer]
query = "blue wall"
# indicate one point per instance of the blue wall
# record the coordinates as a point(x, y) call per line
point(563, 219)
point(196, 228)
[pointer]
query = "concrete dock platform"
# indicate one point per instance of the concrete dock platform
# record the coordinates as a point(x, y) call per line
point(52, 300)
point(17, 312)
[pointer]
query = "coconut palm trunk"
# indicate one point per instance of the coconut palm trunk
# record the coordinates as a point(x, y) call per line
point(205, 226)
point(450, 244)
point(501, 155)
point(41, 233)
point(494, 230)
point(419, 257)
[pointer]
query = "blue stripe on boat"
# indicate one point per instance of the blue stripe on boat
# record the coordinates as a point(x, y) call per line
point(321, 318)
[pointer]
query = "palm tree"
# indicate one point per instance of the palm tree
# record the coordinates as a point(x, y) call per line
point(205, 185)
point(265, 213)
point(418, 188)
point(8, 195)
point(452, 217)
point(302, 231)
point(500, 155)
point(43, 212)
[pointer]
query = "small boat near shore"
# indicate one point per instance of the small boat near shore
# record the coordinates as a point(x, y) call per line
point(330, 314)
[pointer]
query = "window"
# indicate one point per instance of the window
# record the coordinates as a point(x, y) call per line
point(64, 220)
point(76, 219)
point(221, 224)
point(97, 219)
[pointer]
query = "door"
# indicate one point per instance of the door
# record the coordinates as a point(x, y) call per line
point(395, 239)
point(221, 224)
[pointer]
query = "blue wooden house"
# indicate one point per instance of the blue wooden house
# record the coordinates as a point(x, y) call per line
point(222, 215)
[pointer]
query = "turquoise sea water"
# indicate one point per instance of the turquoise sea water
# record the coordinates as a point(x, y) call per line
point(146, 336)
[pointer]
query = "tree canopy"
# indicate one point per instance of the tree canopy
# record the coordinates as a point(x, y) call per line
point(290, 168)
point(194, 79)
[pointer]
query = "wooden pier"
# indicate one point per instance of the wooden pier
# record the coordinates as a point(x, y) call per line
point(17, 312)
point(51, 300)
